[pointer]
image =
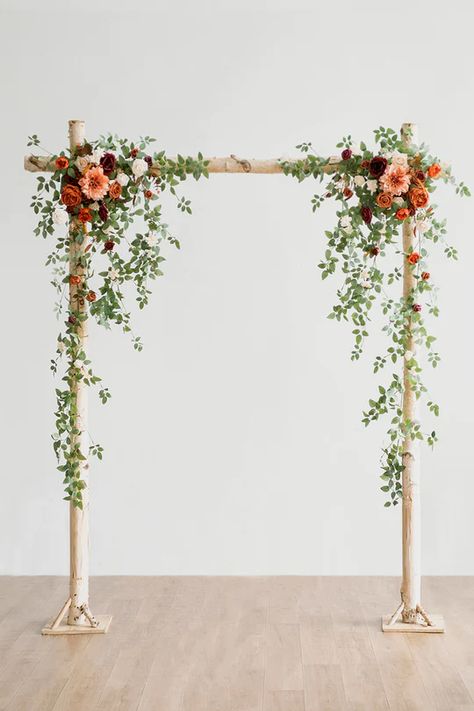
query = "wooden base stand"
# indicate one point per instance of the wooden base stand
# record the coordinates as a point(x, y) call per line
point(85, 628)
point(436, 627)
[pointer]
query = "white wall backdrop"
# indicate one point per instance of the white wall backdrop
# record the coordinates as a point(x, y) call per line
point(233, 442)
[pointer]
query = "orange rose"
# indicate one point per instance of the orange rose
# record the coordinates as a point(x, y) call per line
point(84, 215)
point(434, 171)
point(419, 197)
point(148, 194)
point(91, 296)
point(62, 163)
point(115, 190)
point(384, 200)
point(413, 258)
point(402, 213)
point(425, 276)
point(75, 279)
point(71, 196)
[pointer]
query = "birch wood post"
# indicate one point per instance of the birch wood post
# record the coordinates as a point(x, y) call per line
point(79, 618)
point(411, 514)
point(79, 518)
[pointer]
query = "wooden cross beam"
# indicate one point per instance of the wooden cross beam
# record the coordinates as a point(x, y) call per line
point(229, 164)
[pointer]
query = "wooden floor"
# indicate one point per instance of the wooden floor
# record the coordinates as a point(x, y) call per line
point(236, 644)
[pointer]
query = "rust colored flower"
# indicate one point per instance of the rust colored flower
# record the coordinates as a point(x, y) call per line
point(419, 176)
point(375, 251)
point(348, 193)
point(91, 296)
point(109, 245)
point(416, 308)
point(85, 215)
point(75, 279)
point(71, 195)
point(413, 258)
point(434, 171)
point(72, 320)
point(377, 166)
point(365, 164)
point(134, 152)
point(94, 183)
point(402, 213)
point(425, 276)
point(366, 214)
point(384, 200)
point(148, 194)
point(115, 190)
point(61, 163)
point(419, 197)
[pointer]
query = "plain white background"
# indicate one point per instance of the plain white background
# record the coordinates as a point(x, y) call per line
point(233, 442)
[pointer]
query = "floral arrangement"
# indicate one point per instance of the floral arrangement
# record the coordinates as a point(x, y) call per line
point(377, 191)
point(100, 189)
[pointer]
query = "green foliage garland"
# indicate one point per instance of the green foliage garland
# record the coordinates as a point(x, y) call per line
point(102, 188)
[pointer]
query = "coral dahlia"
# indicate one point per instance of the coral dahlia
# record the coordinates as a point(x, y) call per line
point(94, 183)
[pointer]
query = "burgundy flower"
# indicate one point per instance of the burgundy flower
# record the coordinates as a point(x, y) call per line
point(377, 166)
point(346, 154)
point(366, 214)
point(108, 163)
point(149, 160)
point(134, 152)
point(109, 245)
point(375, 251)
point(419, 175)
point(416, 308)
point(103, 212)
point(348, 193)
point(72, 320)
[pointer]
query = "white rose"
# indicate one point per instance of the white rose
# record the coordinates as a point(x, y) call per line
point(408, 355)
point(82, 162)
point(372, 186)
point(400, 159)
point(59, 216)
point(366, 284)
point(422, 226)
point(398, 200)
point(122, 179)
point(96, 155)
point(151, 239)
point(113, 274)
point(359, 180)
point(364, 275)
point(61, 347)
point(139, 167)
point(345, 221)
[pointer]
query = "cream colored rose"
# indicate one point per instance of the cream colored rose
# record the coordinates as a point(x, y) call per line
point(139, 167)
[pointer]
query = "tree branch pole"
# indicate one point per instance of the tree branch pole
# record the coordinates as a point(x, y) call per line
point(79, 518)
point(410, 611)
point(411, 513)
point(79, 618)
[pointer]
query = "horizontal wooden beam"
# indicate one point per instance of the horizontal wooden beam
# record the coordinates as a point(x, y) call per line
point(230, 164)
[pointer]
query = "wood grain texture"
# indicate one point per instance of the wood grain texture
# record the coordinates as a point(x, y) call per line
point(236, 644)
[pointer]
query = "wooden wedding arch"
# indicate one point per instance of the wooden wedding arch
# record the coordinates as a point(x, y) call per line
point(75, 616)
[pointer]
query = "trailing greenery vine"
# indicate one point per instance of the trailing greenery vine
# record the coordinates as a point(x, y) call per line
point(377, 190)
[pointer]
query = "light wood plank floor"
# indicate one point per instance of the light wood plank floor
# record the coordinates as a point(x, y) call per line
point(236, 644)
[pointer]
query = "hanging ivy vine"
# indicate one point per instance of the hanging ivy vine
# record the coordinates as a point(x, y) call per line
point(376, 191)
point(97, 193)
